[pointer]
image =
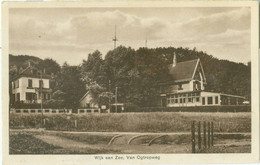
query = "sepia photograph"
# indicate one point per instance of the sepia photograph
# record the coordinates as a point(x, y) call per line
point(130, 83)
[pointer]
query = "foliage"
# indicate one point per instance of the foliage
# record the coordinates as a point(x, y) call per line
point(136, 74)
point(50, 66)
point(70, 83)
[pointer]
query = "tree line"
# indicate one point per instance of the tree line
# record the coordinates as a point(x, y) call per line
point(135, 73)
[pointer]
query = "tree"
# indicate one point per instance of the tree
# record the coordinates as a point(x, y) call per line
point(71, 84)
point(50, 66)
point(92, 69)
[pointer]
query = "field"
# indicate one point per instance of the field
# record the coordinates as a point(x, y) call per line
point(93, 133)
point(135, 122)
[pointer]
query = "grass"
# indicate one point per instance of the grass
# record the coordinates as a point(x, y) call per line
point(136, 122)
point(27, 144)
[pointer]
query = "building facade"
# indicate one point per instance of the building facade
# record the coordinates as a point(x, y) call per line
point(31, 86)
point(188, 88)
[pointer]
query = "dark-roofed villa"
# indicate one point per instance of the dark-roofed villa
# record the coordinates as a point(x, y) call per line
point(187, 87)
point(31, 86)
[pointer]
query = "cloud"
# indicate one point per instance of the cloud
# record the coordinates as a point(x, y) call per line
point(81, 33)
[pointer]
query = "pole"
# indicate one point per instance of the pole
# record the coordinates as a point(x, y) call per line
point(109, 98)
point(199, 137)
point(193, 136)
point(209, 134)
point(116, 100)
point(115, 39)
point(41, 98)
point(204, 135)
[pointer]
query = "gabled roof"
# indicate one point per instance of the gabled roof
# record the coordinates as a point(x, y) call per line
point(32, 72)
point(183, 71)
point(85, 95)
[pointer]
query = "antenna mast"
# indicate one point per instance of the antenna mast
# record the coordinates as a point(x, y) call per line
point(115, 39)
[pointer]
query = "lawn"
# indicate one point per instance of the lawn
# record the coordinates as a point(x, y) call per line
point(136, 122)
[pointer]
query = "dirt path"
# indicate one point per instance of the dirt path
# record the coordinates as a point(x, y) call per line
point(75, 146)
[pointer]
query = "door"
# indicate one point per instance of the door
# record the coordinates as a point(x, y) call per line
point(164, 102)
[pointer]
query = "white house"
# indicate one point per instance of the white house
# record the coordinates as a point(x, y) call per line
point(29, 85)
point(188, 88)
point(85, 101)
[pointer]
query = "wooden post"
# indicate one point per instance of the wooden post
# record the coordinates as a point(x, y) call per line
point(76, 124)
point(204, 135)
point(199, 136)
point(209, 134)
point(212, 133)
point(193, 136)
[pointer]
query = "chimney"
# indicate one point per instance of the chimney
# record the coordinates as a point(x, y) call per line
point(174, 61)
point(29, 63)
point(44, 70)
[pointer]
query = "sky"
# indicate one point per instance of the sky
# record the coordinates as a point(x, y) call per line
point(70, 34)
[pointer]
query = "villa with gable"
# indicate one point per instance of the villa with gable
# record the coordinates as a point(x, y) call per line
point(187, 87)
point(31, 86)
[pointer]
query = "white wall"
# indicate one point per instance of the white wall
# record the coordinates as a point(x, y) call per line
point(23, 84)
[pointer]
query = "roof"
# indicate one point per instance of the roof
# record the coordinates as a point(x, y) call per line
point(183, 71)
point(32, 72)
point(83, 96)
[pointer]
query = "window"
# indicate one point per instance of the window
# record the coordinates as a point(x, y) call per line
point(53, 111)
point(30, 83)
point(96, 111)
point(25, 111)
point(172, 101)
point(18, 97)
point(203, 100)
point(32, 111)
point(16, 84)
point(180, 87)
point(180, 100)
point(210, 100)
point(216, 99)
point(189, 99)
point(40, 83)
point(46, 111)
point(18, 111)
point(39, 111)
point(176, 100)
point(81, 111)
point(88, 105)
point(88, 111)
point(197, 99)
point(29, 96)
point(168, 101)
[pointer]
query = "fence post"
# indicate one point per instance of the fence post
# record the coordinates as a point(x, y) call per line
point(199, 137)
point(76, 124)
point(204, 135)
point(193, 136)
point(212, 133)
point(209, 134)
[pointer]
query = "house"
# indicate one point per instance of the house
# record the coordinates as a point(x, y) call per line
point(85, 101)
point(187, 87)
point(31, 86)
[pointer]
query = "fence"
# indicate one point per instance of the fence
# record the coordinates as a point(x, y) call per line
point(41, 111)
point(207, 128)
point(84, 111)
point(53, 111)
point(222, 108)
